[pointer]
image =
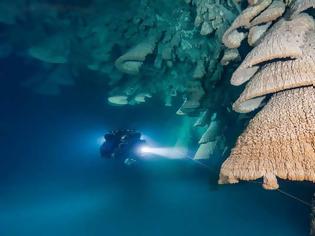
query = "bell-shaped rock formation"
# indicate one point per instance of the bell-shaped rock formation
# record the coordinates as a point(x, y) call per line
point(233, 37)
point(278, 76)
point(284, 41)
point(280, 140)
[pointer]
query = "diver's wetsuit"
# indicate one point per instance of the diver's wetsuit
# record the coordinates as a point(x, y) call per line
point(112, 141)
point(121, 144)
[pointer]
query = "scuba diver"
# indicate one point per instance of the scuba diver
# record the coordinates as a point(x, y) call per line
point(122, 144)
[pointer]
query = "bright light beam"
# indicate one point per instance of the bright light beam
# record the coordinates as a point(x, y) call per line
point(166, 152)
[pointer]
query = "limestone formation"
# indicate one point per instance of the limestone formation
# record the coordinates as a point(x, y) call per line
point(232, 38)
point(279, 141)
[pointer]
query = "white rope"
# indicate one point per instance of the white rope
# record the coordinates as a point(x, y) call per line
point(256, 182)
point(294, 197)
point(286, 194)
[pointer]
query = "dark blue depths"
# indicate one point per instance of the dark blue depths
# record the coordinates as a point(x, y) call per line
point(53, 181)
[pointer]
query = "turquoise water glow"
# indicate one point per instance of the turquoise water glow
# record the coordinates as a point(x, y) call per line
point(54, 183)
point(57, 73)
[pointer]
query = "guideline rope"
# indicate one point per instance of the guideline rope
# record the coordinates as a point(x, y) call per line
point(256, 182)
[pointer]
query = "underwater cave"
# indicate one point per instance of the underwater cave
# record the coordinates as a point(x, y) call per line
point(157, 117)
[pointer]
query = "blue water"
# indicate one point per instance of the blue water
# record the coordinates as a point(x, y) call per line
point(53, 181)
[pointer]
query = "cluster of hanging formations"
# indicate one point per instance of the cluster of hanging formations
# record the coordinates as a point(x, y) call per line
point(279, 141)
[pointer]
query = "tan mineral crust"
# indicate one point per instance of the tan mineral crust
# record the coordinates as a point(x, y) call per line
point(278, 142)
